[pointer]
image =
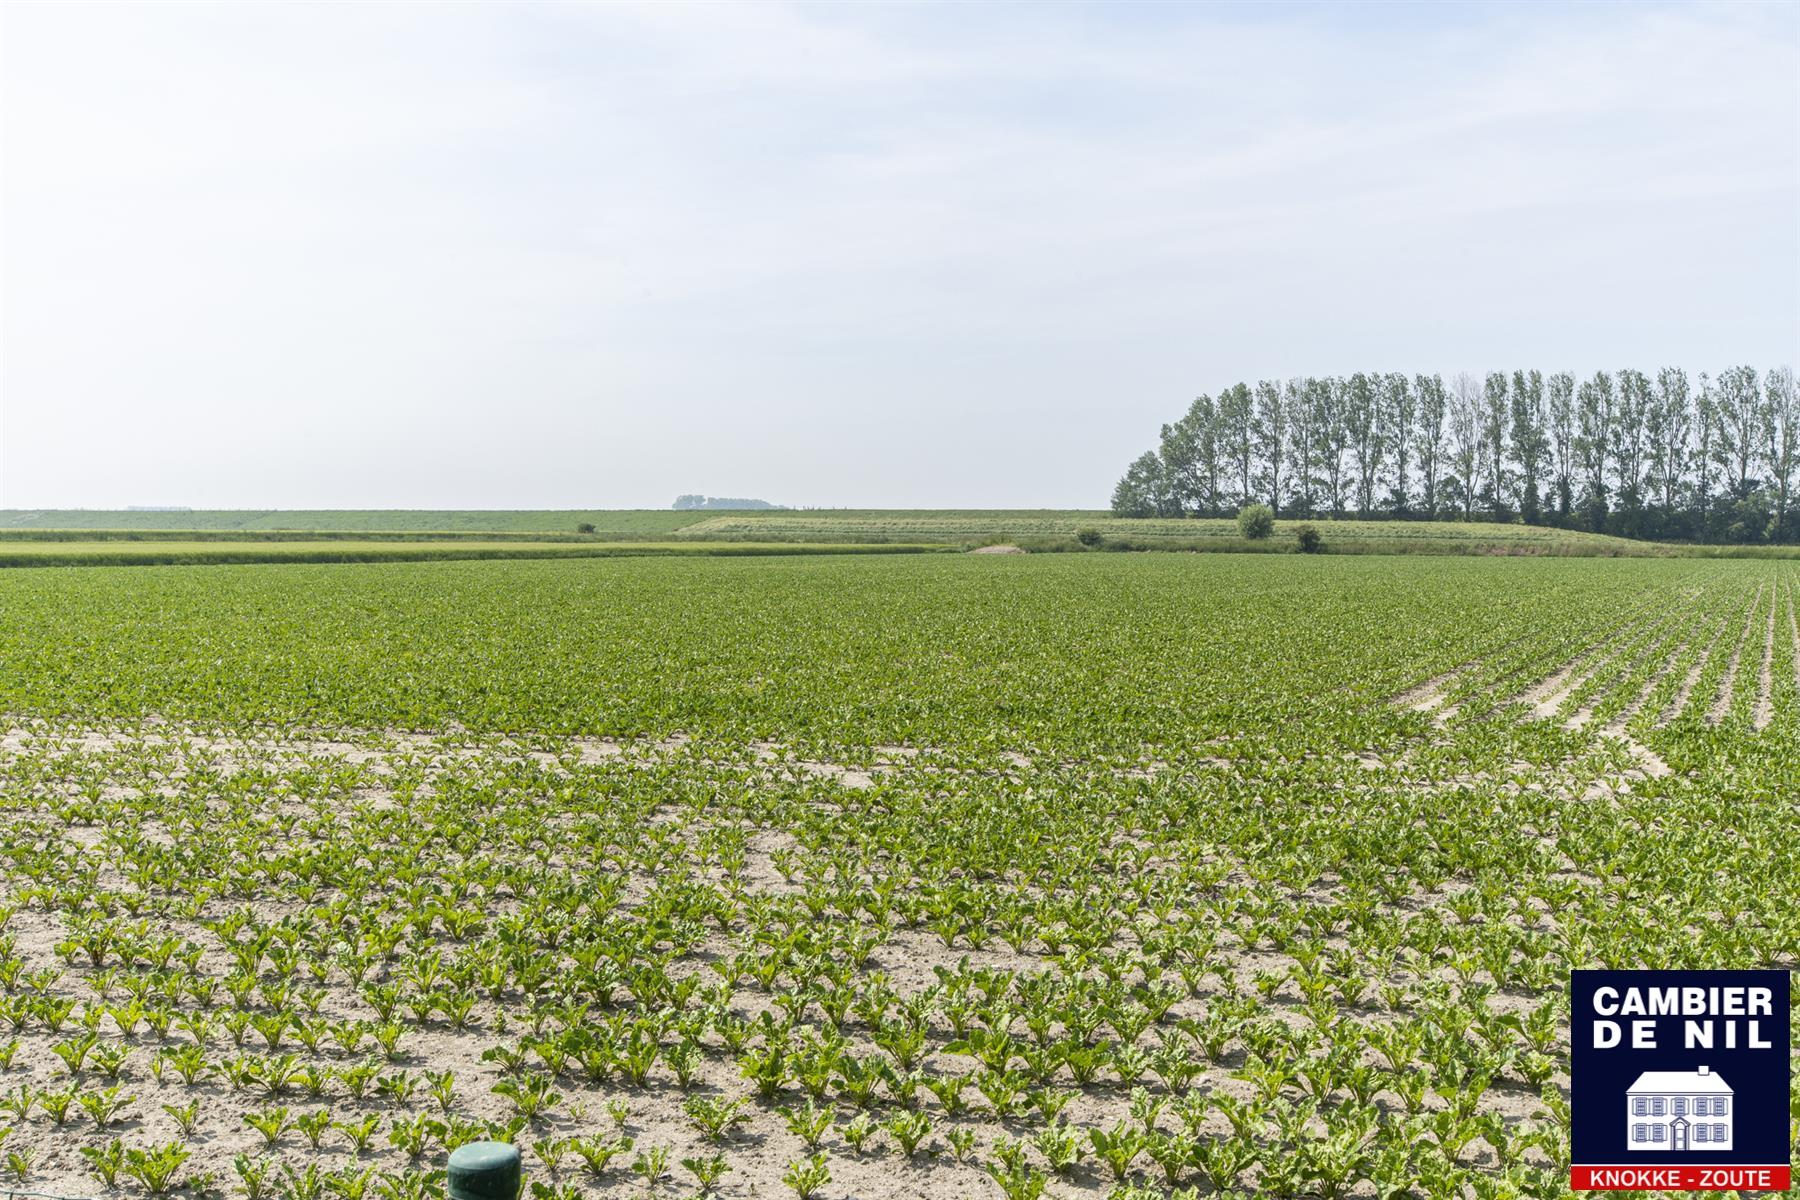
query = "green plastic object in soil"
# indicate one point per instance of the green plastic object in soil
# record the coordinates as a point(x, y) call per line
point(484, 1171)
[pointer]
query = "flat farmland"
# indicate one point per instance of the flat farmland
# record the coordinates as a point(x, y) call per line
point(941, 876)
point(128, 550)
point(642, 522)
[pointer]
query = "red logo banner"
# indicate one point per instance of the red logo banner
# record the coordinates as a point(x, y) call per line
point(1681, 1178)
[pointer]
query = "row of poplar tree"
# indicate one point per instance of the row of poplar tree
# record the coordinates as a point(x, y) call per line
point(1708, 459)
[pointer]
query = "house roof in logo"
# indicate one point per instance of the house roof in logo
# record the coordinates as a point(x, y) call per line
point(1702, 1080)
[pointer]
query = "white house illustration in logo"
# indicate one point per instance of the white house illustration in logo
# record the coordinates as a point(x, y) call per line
point(1678, 1110)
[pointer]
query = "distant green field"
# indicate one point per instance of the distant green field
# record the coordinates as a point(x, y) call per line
point(414, 520)
point(158, 552)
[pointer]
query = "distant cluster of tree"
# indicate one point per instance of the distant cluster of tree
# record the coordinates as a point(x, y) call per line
point(1663, 457)
point(690, 502)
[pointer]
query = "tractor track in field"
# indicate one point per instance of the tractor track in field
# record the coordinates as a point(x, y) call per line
point(1684, 694)
point(1794, 632)
point(1721, 704)
point(1765, 676)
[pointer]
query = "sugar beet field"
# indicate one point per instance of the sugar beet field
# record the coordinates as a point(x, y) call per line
point(950, 876)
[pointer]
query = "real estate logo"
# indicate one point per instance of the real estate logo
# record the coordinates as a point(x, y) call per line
point(1679, 1080)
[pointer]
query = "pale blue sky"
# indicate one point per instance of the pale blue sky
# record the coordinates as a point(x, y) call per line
point(567, 255)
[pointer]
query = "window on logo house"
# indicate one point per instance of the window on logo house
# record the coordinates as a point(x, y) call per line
point(1721, 1107)
point(1659, 1133)
point(1656, 1108)
point(1681, 1106)
point(1718, 1133)
point(1640, 1132)
point(1699, 1133)
point(1640, 1107)
point(1701, 1106)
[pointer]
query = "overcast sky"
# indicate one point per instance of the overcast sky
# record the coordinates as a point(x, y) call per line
point(565, 255)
